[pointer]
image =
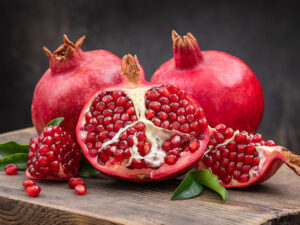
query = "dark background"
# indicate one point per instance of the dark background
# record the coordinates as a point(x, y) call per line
point(266, 35)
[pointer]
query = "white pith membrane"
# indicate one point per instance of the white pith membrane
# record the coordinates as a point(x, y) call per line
point(266, 154)
point(155, 135)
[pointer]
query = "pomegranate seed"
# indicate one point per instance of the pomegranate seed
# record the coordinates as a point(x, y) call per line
point(119, 155)
point(165, 124)
point(208, 160)
point(170, 159)
point(241, 148)
point(230, 167)
point(141, 136)
point(270, 143)
point(174, 98)
point(172, 116)
point(93, 152)
point(224, 162)
point(11, 169)
point(199, 114)
point(239, 166)
point(190, 109)
point(166, 145)
point(181, 111)
point(175, 126)
point(219, 138)
point(228, 133)
point(121, 101)
point(75, 181)
point(80, 189)
point(216, 155)
point(149, 114)
point(103, 156)
point(116, 94)
point(250, 149)
point(241, 138)
point(174, 151)
point(226, 180)
point(232, 156)
point(162, 115)
point(184, 103)
point(203, 124)
point(222, 173)
point(133, 118)
point(140, 126)
point(166, 108)
point(181, 119)
point(190, 118)
point(174, 106)
point(125, 117)
point(257, 138)
point(100, 119)
point(33, 190)
point(155, 106)
point(164, 100)
point(194, 145)
point(118, 125)
point(185, 128)
point(181, 94)
point(107, 120)
point(244, 178)
point(156, 121)
point(153, 95)
point(225, 153)
point(220, 127)
point(240, 157)
point(255, 161)
point(212, 141)
point(245, 169)
point(111, 106)
point(131, 130)
point(248, 159)
point(27, 183)
point(236, 174)
point(175, 140)
point(119, 110)
point(164, 91)
point(107, 99)
point(123, 145)
point(137, 163)
point(231, 146)
point(127, 153)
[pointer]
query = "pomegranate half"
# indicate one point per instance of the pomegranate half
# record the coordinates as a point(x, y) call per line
point(224, 85)
point(73, 76)
point(140, 131)
point(240, 159)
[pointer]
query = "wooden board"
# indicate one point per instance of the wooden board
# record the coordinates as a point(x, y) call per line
point(110, 201)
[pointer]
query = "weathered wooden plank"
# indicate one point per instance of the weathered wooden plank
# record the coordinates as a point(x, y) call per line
point(110, 201)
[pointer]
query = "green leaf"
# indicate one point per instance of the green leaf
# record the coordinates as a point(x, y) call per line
point(12, 147)
point(56, 121)
point(188, 188)
point(206, 178)
point(86, 169)
point(20, 159)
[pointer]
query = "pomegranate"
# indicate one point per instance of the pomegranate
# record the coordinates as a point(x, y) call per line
point(240, 159)
point(11, 169)
point(226, 88)
point(33, 190)
point(140, 131)
point(73, 77)
point(53, 156)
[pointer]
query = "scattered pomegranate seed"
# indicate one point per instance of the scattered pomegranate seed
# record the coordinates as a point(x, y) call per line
point(27, 183)
point(75, 181)
point(33, 190)
point(11, 169)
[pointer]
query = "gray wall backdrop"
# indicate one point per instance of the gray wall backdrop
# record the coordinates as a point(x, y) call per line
point(265, 35)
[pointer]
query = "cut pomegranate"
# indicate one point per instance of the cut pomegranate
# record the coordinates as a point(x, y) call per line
point(53, 156)
point(80, 189)
point(224, 85)
point(140, 131)
point(240, 159)
point(28, 183)
point(74, 181)
point(33, 190)
point(74, 75)
point(11, 169)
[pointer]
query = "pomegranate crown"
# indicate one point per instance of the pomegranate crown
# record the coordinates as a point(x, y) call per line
point(65, 56)
point(187, 53)
point(132, 70)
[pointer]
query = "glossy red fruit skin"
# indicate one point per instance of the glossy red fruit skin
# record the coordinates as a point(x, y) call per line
point(225, 87)
point(33, 190)
point(164, 172)
point(11, 169)
point(72, 78)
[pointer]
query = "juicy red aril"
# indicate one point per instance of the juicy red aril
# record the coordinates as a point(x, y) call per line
point(80, 189)
point(27, 183)
point(33, 190)
point(75, 181)
point(11, 169)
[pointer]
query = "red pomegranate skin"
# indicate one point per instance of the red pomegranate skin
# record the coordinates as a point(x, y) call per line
point(74, 75)
point(224, 85)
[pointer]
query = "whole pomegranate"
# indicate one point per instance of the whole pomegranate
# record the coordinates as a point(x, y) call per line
point(72, 78)
point(140, 131)
point(226, 88)
point(240, 159)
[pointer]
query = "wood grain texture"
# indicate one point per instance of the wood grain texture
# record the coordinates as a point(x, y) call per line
point(110, 201)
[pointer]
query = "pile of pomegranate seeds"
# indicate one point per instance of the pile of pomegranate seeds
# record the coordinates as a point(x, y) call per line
point(31, 188)
point(78, 185)
point(53, 155)
point(11, 169)
point(233, 155)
